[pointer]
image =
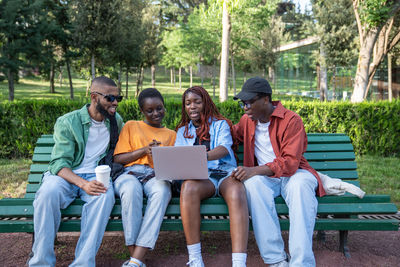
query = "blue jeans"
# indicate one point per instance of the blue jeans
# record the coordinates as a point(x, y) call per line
point(56, 193)
point(299, 193)
point(142, 230)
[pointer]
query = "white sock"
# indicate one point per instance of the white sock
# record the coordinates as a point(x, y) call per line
point(135, 261)
point(239, 259)
point(194, 251)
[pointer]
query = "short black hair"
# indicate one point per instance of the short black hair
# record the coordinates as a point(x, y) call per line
point(261, 95)
point(104, 80)
point(149, 93)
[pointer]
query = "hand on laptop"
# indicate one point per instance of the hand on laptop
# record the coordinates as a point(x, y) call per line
point(153, 143)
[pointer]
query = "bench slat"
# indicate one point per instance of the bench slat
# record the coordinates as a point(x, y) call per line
point(341, 174)
point(333, 165)
point(220, 209)
point(329, 147)
point(45, 141)
point(38, 168)
point(34, 186)
point(327, 138)
point(323, 156)
point(215, 225)
point(43, 150)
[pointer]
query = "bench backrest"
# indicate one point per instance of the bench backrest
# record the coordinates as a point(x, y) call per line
point(331, 154)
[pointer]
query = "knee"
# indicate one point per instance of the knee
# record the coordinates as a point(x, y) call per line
point(255, 187)
point(190, 190)
point(236, 194)
point(49, 192)
point(129, 188)
point(301, 186)
point(253, 183)
point(162, 190)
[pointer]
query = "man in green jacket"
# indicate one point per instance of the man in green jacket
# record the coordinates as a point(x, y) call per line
point(82, 139)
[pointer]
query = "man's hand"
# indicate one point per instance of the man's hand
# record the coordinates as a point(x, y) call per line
point(94, 188)
point(242, 173)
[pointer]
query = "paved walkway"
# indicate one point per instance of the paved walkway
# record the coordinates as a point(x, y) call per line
point(366, 248)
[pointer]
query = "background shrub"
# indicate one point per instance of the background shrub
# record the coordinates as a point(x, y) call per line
point(374, 127)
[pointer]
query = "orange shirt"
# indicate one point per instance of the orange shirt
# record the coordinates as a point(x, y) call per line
point(288, 139)
point(137, 134)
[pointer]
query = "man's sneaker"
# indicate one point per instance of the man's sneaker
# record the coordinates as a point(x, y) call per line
point(196, 262)
point(128, 264)
point(283, 263)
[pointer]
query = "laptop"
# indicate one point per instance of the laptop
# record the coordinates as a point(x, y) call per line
point(180, 162)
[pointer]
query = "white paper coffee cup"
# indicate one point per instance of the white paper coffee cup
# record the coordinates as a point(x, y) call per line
point(103, 174)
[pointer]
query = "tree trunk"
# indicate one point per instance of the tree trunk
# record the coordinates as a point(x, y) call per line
point(71, 88)
point(390, 92)
point(271, 75)
point(233, 74)
point(382, 47)
point(52, 89)
point(120, 78)
point(213, 77)
point(172, 76)
point(323, 75)
point(191, 75)
point(153, 75)
point(141, 77)
point(201, 75)
point(10, 77)
point(180, 78)
point(362, 74)
point(223, 77)
point(318, 69)
point(61, 77)
point(323, 84)
point(93, 68)
point(127, 82)
point(138, 78)
point(334, 83)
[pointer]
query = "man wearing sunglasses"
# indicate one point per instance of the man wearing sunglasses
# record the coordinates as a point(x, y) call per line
point(274, 142)
point(82, 139)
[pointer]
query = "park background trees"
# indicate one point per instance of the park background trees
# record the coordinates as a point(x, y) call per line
point(123, 37)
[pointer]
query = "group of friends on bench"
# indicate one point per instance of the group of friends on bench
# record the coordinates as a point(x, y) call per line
point(274, 142)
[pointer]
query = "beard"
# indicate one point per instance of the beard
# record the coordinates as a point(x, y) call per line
point(103, 111)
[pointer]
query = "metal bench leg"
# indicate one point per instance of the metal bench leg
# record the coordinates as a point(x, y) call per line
point(321, 236)
point(31, 252)
point(343, 243)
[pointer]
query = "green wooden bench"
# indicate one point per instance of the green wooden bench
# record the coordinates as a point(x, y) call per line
point(331, 154)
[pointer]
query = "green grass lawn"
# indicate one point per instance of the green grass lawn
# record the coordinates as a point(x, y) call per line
point(38, 88)
point(378, 175)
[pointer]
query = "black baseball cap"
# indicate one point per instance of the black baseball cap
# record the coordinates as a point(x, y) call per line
point(252, 87)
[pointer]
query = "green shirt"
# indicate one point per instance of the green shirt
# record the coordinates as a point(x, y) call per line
point(70, 137)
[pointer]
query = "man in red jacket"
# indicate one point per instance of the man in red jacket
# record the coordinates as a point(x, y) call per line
point(274, 142)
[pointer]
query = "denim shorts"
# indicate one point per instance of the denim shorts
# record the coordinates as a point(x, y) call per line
point(217, 176)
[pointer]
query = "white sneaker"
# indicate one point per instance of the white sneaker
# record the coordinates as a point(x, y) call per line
point(127, 264)
point(196, 262)
point(283, 263)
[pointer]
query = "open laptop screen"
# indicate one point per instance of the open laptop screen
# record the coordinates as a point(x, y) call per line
point(180, 162)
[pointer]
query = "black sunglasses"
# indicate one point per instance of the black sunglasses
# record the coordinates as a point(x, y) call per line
point(247, 104)
point(110, 98)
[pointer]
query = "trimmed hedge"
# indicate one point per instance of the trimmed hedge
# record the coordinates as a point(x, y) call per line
point(374, 127)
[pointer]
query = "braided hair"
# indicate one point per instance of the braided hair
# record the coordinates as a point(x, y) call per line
point(209, 111)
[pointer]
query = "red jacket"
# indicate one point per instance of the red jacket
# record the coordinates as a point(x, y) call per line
point(288, 139)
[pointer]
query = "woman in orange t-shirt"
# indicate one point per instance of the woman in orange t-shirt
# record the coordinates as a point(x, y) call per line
point(133, 150)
